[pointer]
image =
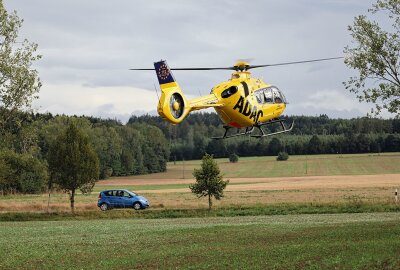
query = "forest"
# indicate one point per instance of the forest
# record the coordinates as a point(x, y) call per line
point(310, 135)
point(121, 149)
point(146, 143)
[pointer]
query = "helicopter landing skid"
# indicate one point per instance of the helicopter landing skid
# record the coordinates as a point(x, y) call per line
point(284, 128)
point(249, 130)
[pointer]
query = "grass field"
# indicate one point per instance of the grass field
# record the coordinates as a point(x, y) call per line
point(311, 212)
point(334, 241)
point(248, 167)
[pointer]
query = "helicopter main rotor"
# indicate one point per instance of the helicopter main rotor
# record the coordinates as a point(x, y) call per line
point(242, 66)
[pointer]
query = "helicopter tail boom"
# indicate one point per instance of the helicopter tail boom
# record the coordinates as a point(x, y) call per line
point(204, 102)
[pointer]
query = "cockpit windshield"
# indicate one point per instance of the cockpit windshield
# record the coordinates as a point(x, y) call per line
point(269, 95)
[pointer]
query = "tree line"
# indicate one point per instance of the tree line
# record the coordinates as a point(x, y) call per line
point(146, 143)
point(310, 135)
point(122, 150)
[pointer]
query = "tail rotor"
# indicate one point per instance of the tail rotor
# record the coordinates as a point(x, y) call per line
point(176, 105)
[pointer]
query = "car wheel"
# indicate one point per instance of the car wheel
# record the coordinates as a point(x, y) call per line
point(104, 207)
point(137, 206)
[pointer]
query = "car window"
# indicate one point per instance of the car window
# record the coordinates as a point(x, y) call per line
point(126, 194)
point(108, 193)
point(119, 193)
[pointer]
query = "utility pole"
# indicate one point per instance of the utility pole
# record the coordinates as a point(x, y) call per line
point(306, 165)
point(183, 168)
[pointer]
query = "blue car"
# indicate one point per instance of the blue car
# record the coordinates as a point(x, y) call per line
point(121, 198)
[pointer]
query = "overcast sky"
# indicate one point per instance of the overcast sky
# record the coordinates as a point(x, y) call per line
point(88, 47)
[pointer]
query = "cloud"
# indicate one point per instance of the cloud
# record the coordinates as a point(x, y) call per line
point(88, 47)
point(109, 102)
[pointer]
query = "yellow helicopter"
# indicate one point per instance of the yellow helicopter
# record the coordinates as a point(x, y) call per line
point(241, 102)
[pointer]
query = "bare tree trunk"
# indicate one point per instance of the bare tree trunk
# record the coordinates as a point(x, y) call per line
point(48, 203)
point(72, 199)
point(209, 202)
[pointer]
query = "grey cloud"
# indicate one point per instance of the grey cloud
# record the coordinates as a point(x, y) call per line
point(94, 43)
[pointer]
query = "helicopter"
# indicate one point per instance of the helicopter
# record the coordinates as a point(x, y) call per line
point(241, 102)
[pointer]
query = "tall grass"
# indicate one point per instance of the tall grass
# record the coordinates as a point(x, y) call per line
point(257, 210)
point(331, 241)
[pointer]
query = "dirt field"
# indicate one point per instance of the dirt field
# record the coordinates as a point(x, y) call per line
point(250, 191)
point(276, 183)
point(174, 193)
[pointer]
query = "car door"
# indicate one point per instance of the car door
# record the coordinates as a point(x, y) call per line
point(126, 200)
point(119, 198)
point(114, 199)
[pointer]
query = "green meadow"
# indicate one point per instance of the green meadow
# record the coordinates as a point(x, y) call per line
point(329, 241)
point(334, 228)
point(310, 165)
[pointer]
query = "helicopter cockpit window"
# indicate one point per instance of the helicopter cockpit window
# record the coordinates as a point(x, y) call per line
point(264, 96)
point(259, 96)
point(268, 96)
point(278, 98)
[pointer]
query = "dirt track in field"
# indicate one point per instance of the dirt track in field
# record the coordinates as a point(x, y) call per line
point(276, 183)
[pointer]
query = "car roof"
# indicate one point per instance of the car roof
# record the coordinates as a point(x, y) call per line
point(116, 190)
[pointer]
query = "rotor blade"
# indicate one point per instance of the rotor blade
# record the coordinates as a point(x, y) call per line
point(202, 68)
point(212, 68)
point(249, 67)
point(297, 62)
point(141, 69)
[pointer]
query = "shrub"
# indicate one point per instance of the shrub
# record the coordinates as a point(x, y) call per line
point(233, 158)
point(22, 173)
point(282, 156)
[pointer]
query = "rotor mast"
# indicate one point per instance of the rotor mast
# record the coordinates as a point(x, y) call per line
point(241, 72)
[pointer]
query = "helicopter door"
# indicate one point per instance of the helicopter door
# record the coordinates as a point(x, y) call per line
point(265, 97)
point(279, 100)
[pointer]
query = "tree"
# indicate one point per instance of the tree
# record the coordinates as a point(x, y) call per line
point(19, 83)
point(275, 146)
point(108, 147)
point(282, 156)
point(233, 158)
point(315, 145)
point(21, 173)
point(375, 56)
point(209, 181)
point(73, 163)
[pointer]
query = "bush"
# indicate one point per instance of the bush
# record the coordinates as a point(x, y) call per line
point(282, 156)
point(233, 158)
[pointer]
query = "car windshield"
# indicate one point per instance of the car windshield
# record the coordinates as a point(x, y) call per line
point(132, 193)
